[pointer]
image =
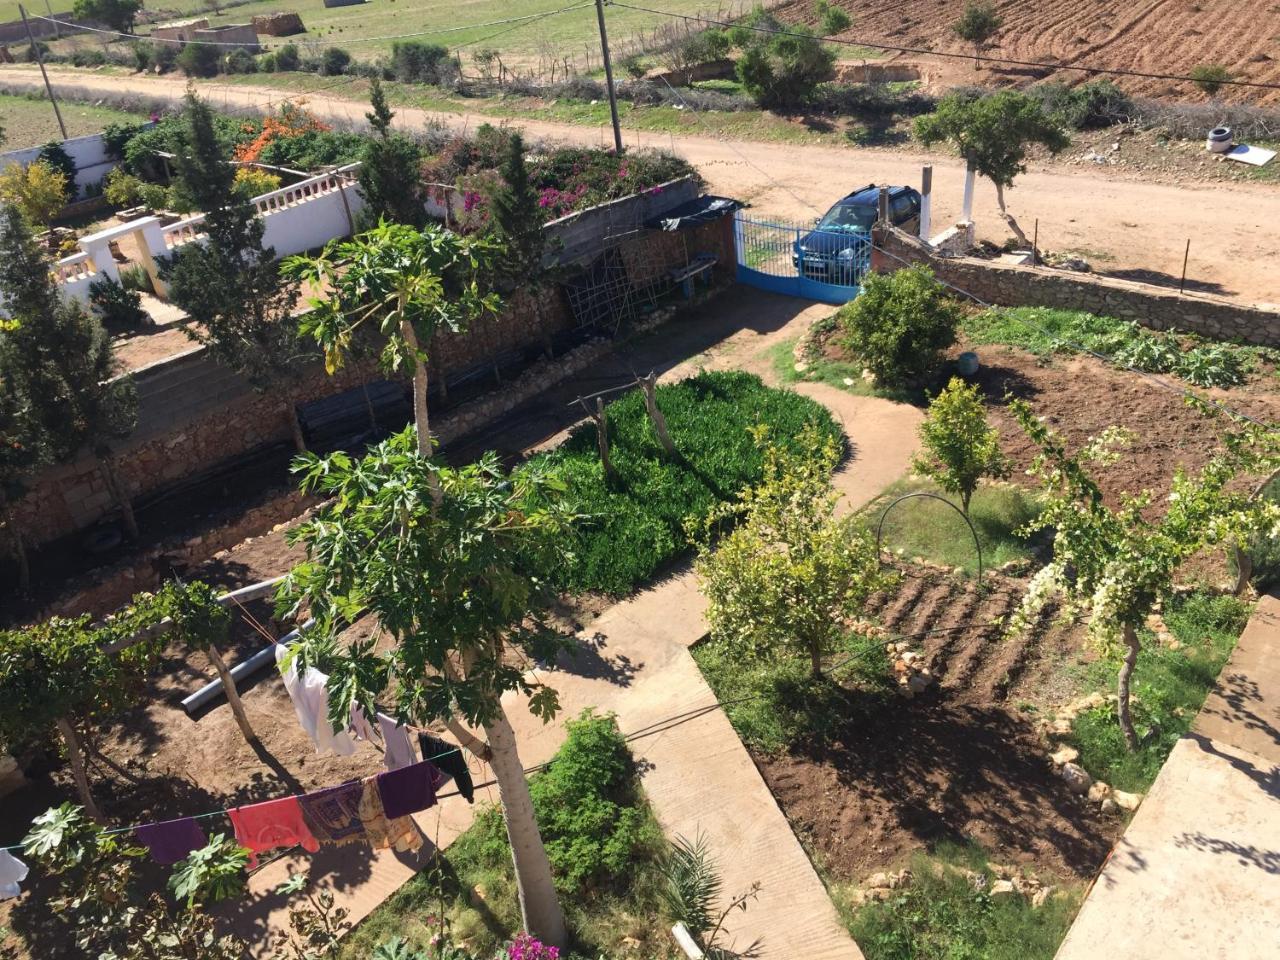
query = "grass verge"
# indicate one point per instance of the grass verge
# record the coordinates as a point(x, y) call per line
point(633, 523)
point(28, 121)
point(604, 845)
point(942, 914)
point(1169, 687)
point(923, 527)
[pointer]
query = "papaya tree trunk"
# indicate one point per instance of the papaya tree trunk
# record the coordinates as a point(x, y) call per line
point(118, 493)
point(75, 753)
point(421, 417)
point(233, 695)
point(1132, 646)
point(540, 911)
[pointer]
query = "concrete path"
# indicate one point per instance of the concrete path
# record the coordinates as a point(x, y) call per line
point(634, 661)
point(1197, 874)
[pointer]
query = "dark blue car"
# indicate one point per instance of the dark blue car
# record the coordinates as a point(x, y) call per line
point(838, 249)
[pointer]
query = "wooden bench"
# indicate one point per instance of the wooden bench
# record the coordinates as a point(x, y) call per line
point(687, 275)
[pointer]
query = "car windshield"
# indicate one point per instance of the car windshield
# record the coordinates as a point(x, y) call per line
point(849, 218)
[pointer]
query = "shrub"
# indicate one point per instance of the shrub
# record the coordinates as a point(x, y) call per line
point(116, 137)
point(56, 157)
point(268, 63)
point(155, 197)
point(240, 60)
point(287, 57)
point(198, 60)
point(636, 524)
point(1210, 77)
point(780, 70)
point(88, 58)
point(122, 189)
point(143, 55)
point(590, 809)
point(251, 182)
point(39, 190)
point(334, 61)
point(119, 308)
point(1098, 103)
point(900, 324)
point(165, 56)
point(136, 278)
point(416, 62)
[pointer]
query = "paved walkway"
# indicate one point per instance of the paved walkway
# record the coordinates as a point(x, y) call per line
point(1197, 874)
point(635, 662)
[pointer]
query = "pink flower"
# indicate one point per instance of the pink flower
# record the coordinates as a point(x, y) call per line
point(525, 947)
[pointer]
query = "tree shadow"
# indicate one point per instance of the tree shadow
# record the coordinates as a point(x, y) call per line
point(1239, 694)
point(1161, 279)
point(1247, 855)
point(586, 659)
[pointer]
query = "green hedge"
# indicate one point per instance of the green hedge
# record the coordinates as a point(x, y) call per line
point(633, 527)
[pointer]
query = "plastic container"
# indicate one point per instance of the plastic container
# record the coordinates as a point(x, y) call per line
point(967, 363)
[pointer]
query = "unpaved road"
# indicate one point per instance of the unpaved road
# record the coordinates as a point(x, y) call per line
point(1124, 227)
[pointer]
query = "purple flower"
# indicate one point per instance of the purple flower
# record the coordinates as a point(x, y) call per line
point(525, 947)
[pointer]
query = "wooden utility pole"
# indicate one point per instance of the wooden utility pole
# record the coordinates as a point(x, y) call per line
point(608, 78)
point(35, 47)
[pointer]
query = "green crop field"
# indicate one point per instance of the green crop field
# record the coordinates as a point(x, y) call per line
point(29, 122)
point(573, 34)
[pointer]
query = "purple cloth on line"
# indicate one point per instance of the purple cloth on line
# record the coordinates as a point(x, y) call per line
point(172, 840)
point(409, 789)
point(334, 813)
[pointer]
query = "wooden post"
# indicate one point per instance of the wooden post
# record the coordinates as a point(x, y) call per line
point(1035, 243)
point(1182, 284)
point(648, 386)
point(75, 752)
point(35, 48)
point(602, 437)
point(233, 695)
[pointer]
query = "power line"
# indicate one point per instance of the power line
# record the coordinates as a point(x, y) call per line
point(1116, 71)
point(321, 43)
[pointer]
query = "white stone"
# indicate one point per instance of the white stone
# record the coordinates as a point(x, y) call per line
point(1003, 888)
point(1076, 777)
point(1126, 801)
point(1099, 792)
point(1064, 755)
point(1108, 807)
point(1041, 896)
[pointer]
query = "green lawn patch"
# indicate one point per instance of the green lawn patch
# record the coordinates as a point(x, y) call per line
point(940, 914)
point(1045, 331)
point(603, 842)
point(633, 526)
point(1169, 687)
point(28, 121)
point(922, 527)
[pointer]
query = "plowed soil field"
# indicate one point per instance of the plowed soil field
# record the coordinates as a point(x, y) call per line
point(1152, 36)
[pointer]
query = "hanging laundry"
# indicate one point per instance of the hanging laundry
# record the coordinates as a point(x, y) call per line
point(276, 823)
point(380, 830)
point(451, 760)
point(398, 742)
point(334, 813)
point(409, 789)
point(360, 725)
point(311, 704)
point(172, 840)
point(12, 872)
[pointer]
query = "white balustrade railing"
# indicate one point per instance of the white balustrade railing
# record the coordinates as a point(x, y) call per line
point(78, 266)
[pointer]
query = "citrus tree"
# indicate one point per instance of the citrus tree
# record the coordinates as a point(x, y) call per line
point(440, 555)
point(790, 575)
point(992, 133)
point(1116, 563)
point(899, 324)
point(960, 447)
point(39, 190)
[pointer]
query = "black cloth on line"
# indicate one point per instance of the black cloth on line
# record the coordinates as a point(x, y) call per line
point(449, 758)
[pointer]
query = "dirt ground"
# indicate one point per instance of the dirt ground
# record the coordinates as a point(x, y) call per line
point(961, 762)
point(1149, 36)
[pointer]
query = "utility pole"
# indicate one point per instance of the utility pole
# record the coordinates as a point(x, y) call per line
point(40, 60)
point(608, 78)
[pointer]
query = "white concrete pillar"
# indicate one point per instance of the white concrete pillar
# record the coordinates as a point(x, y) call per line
point(151, 247)
point(926, 202)
point(966, 214)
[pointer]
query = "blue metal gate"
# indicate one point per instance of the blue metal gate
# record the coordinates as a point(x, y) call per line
point(801, 261)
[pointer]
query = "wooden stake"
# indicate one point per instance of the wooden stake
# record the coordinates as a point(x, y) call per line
point(602, 437)
point(75, 752)
point(233, 695)
point(648, 386)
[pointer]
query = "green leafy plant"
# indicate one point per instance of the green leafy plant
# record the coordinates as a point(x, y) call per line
point(316, 924)
point(1210, 78)
point(413, 61)
point(977, 25)
point(781, 65)
point(287, 57)
point(198, 60)
point(790, 576)
point(116, 14)
point(334, 62)
point(213, 873)
point(960, 447)
point(900, 324)
point(56, 157)
point(692, 884)
point(121, 189)
point(390, 178)
point(119, 309)
point(38, 190)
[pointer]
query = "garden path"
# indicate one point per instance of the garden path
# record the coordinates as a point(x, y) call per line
point(1197, 873)
point(634, 661)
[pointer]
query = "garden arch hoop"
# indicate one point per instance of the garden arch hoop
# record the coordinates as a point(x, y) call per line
point(932, 496)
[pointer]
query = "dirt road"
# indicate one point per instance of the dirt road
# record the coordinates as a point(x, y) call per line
point(1125, 228)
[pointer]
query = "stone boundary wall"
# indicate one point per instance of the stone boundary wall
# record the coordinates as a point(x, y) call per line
point(1012, 286)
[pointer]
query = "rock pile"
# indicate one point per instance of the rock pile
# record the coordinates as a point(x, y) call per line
point(1002, 881)
point(1096, 792)
point(909, 668)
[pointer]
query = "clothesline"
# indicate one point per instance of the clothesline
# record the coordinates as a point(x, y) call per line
point(115, 831)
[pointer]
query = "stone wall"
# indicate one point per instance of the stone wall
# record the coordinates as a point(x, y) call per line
point(1156, 307)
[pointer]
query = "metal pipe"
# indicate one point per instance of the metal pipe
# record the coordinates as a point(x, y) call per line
point(243, 669)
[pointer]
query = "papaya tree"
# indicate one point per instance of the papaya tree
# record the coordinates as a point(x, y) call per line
point(1116, 562)
point(790, 575)
point(441, 556)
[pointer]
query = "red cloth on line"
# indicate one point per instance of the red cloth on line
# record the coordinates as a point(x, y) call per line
point(276, 823)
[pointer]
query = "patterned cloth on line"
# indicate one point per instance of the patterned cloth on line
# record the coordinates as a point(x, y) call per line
point(334, 813)
point(451, 760)
point(172, 840)
point(381, 831)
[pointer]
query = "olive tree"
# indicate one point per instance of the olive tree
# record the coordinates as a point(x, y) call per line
point(790, 574)
point(977, 25)
point(441, 556)
point(1117, 562)
point(992, 133)
point(960, 447)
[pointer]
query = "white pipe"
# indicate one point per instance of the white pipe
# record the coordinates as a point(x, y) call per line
point(245, 668)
